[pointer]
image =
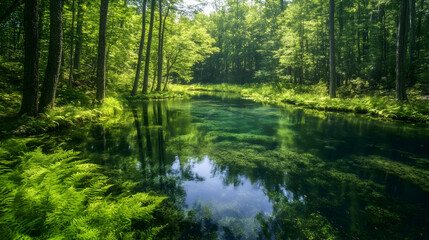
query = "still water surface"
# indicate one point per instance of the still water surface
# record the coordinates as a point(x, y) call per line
point(243, 170)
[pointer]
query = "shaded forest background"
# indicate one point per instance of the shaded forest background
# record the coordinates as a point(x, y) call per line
point(282, 43)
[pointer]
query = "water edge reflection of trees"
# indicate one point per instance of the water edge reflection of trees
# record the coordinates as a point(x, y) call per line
point(329, 193)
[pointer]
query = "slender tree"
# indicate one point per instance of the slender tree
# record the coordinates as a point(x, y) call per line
point(101, 60)
point(149, 43)
point(160, 60)
point(332, 83)
point(401, 52)
point(161, 52)
point(79, 40)
point(412, 30)
point(31, 59)
point(72, 43)
point(139, 60)
point(49, 88)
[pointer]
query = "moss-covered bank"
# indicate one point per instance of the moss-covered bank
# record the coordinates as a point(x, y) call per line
point(377, 103)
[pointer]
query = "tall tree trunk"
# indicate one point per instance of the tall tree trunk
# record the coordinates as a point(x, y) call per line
point(160, 60)
point(401, 53)
point(139, 61)
point(161, 47)
point(49, 88)
point(155, 74)
point(332, 83)
point(168, 73)
point(79, 40)
point(149, 43)
point(31, 59)
point(101, 60)
point(412, 30)
point(71, 44)
point(419, 28)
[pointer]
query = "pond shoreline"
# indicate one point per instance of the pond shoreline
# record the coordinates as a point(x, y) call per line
point(382, 107)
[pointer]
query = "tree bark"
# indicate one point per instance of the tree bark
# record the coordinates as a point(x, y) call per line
point(49, 88)
point(161, 46)
point(72, 44)
point(412, 30)
point(101, 59)
point(79, 40)
point(31, 59)
point(332, 83)
point(139, 61)
point(158, 85)
point(401, 53)
point(149, 43)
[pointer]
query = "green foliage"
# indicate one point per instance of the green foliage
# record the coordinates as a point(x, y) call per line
point(381, 106)
point(59, 196)
point(61, 117)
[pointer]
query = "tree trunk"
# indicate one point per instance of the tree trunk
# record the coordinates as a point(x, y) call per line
point(71, 44)
point(160, 60)
point(168, 73)
point(149, 43)
point(412, 30)
point(31, 59)
point(139, 61)
point(401, 53)
point(79, 40)
point(101, 60)
point(155, 74)
point(161, 47)
point(332, 84)
point(49, 88)
point(419, 28)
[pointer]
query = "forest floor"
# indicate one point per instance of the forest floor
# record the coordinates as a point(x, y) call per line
point(72, 106)
point(375, 103)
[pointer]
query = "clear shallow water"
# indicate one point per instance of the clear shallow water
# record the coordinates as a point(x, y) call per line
point(242, 170)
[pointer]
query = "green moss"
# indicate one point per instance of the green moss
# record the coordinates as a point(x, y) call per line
point(381, 216)
point(316, 97)
point(416, 176)
point(171, 94)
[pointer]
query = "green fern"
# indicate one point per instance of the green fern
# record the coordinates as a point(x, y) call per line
point(59, 196)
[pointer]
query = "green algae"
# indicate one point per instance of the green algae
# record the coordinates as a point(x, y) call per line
point(416, 176)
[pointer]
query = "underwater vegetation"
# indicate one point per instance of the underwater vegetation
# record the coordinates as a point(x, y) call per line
point(315, 97)
point(321, 176)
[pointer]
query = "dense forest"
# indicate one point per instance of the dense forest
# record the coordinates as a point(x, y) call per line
point(352, 46)
point(221, 119)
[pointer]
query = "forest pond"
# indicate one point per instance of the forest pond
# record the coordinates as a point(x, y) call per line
point(236, 169)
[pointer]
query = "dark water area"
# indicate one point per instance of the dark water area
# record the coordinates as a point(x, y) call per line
point(236, 169)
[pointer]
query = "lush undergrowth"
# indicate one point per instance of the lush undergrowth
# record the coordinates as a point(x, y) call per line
point(59, 196)
point(69, 112)
point(378, 104)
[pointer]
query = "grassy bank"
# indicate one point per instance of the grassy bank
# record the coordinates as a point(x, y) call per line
point(375, 103)
point(72, 108)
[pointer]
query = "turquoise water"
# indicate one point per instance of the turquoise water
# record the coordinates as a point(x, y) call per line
point(236, 169)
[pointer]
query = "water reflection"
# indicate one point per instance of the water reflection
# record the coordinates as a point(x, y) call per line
point(241, 170)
